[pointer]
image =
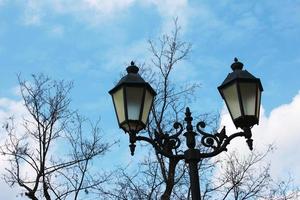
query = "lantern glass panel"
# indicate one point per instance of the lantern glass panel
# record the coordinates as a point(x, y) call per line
point(248, 94)
point(134, 100)
point(258, 102)
point(118, 98)
point(147, 106)
point(231, 97)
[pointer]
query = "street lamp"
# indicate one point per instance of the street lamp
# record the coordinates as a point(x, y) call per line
point(133, 99)
point(241, 92)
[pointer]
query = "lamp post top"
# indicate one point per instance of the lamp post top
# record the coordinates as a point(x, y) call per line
point(132, 68)
point(239, 74)
point(237, 65)
point(133, 78)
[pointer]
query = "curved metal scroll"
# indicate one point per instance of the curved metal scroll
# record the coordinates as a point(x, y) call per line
point(165, 144)
point(169, 142)
point(211, 140)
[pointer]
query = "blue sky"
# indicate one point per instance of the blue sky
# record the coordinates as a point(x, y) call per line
point(90, 42)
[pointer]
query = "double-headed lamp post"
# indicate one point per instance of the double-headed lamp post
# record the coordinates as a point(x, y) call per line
point(133, 99)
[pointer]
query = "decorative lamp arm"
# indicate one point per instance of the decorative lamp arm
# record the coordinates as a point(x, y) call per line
point(219, 141)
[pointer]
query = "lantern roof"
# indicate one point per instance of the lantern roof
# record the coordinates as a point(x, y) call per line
point(239, 74)
point(133, 78)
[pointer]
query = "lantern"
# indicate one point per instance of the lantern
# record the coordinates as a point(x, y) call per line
point(241, 92)
point(133, 99)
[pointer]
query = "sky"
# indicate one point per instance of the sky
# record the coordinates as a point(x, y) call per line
point(90, 42)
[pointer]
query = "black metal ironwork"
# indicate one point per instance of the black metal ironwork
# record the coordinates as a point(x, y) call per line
point(213, 143)
point(165, 144)
point(217, 142)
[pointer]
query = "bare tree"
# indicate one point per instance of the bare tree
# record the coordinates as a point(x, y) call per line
point(284, 190)
point(247, 177)
point(51, 153)
point(240, 177)
point(170, 101)
point(232, 177)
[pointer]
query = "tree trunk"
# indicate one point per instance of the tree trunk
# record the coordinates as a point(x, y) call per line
point(171, 179)
point(31, 195)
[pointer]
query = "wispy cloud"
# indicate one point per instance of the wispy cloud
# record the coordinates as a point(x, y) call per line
point(2, 2)
point(170, 9)
point(107, 7)
point(97, 12)
point(93, 12)
point(8, 108)
point(33, 13)
point(57, 31)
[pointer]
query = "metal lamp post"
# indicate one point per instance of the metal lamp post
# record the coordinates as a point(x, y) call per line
point(133, 99)
point(241, 92)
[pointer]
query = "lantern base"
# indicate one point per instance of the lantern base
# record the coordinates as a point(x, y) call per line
point(132, 126)
point(246, 121)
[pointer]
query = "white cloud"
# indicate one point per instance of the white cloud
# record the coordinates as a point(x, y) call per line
point(136, 52)
point(96, 12)
point(170, 9)
point(107, 6)
point(10, 107)
point(93, 12)
point(280, 128)
point(32, 13)
point(16, 109)
point(16, 91)
point(57, 31)
point(2, 2)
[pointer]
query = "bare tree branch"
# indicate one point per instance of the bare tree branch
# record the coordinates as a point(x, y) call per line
point(51, 124)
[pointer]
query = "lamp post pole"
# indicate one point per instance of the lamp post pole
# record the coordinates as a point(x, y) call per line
point(191, 156)
point(194, 179)
point(133, 99)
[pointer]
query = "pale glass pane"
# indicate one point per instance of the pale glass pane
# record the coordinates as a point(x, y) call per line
point(248, 93)
point(231, 97)
point(119, 104)
point(258, 103)
point(134, 101)
point(147, 106)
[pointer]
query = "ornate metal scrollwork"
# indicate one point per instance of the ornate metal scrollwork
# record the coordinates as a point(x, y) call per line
point(169, 142)
point(165, 143)
point(211, 140)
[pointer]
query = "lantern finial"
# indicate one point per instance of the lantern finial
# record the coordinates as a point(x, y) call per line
point(237, 65)
point(132, 68)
